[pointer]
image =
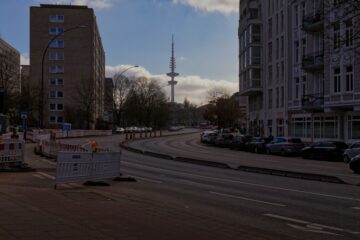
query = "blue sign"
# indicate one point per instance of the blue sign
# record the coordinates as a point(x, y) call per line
point(66, 126)
point(23, 115)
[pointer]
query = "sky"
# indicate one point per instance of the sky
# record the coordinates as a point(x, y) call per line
point(138, 32)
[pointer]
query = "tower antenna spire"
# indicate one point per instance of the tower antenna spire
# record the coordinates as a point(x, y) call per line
point(172, 74)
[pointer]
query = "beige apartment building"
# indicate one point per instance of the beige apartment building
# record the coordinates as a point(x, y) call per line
point(309, 82)
point(74, 64)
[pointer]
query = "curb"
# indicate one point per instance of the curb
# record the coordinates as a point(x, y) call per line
point(291, 174)
point(244, 168)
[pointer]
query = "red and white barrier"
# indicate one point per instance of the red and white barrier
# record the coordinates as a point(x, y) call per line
point(12, 152)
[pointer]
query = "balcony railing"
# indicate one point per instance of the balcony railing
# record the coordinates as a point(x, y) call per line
point(313, 22)
point(313, 101)
point(313, 61)
point(251, 87)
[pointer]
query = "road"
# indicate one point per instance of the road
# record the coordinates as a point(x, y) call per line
point(189, 146)
point(175, 200)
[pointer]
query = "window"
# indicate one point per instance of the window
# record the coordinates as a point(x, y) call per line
point(56, 30)
point(59, 94)
point(277, 23)
point(270, 74)
point(282, 46)
point(354, 127)
point(282, 21)
point(52, 94)
point(56, 69)
point(296, 51)
point(56, 56)
point(337, 80)
point(270, 28)
point(296, 10)
point(255, 55)
point(297, 88)
point(60, 107)
point(52, 81)
point(270, 51)
point(270, 98)
point(60, 119)
point(57, 43)
point(282, 98)
point(304, 85)
point(56, 18)
point(277, 97)
point(277, 72)
point(60, 81)
point(52, 119)
point(303, 43)
point(52, 107)
point(303, 9)
point(349, 33)
point(349, 79)
point(282, 71)
point(337, 37)
point(277, 48)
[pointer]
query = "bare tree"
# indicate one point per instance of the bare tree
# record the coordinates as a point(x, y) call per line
point(122, 87)
point(216, 92)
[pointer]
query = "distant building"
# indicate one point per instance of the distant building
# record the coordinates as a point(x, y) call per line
point(301, 78)
point(74, 64)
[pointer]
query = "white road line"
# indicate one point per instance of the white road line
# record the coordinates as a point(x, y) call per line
point(48, 161)
point(286, 218)
point(47, 175)
point(310, 226)
point(245, 183)
point(146, 179)
point(38, 176)
point(356, 208)
point(248, 199)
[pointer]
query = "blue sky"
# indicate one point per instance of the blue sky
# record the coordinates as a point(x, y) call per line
point(138, 32)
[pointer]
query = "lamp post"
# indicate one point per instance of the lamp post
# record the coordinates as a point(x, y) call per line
point(41, 97)
point(115, 89)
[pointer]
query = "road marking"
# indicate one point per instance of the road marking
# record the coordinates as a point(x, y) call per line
point(48, 161)
point(38, 176)
point(245, 183)
point(248, 199)
point(356, 208)
point(311, 227)
point(146, 179)
point(47, 175)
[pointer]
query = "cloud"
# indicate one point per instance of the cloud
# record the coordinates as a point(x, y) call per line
point(222, 6)
point(97, 4)
point(24, 59)
point(194, 88)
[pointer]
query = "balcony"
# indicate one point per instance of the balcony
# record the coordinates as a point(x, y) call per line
point(313, 102)
point(251, 87)
point(313, 22)
point(313, 61)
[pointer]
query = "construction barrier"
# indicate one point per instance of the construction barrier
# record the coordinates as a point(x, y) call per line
point(86, 166)
point(11, 153)
point(36, 135)
point(51, 148)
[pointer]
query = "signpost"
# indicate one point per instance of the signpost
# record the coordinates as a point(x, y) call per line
point(67, 128)
point(24, 116)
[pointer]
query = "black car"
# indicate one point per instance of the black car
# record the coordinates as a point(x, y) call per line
point(240, 142)
point(326, 150)
point(355, 164)
point(257, 145)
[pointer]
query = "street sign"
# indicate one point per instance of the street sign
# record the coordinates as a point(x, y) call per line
point(23, 115)
point(66, 126)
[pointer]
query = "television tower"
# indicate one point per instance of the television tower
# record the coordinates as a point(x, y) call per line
point(172, 74)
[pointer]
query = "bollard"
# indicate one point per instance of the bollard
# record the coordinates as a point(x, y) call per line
point(146, 135)
point(140, 134)
point(134, 136)
point(126, 137)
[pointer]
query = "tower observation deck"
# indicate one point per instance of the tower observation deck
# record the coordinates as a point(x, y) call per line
point(172, 74)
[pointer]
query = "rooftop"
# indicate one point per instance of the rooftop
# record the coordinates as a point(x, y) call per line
point(63, 6)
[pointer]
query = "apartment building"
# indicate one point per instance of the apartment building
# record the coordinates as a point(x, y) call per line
point(73, 67)
point(321, 70)
point(263, 65)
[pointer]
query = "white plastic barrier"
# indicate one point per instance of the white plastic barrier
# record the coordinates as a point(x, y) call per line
point(12, 152)
point(51, 148)
point(80, 166)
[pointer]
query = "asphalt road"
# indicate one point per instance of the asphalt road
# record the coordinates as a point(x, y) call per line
point(190, 146)
point(175, 200)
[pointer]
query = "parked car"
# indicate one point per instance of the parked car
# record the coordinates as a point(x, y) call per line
point(325, 150)
point(285, 146)
point(208, 137)
point(355, 164)
point(257, 145)
point(352, 151)
point(224, 139)
point(240, 142)
point(119, 130)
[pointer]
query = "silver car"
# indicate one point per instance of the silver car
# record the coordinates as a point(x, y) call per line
point(351, 152)
point(285, 146)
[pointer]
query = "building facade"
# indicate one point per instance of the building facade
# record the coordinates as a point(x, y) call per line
point(309, 83)
point(74, 64)
point(9, 74)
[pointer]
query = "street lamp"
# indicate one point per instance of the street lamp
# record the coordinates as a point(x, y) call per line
point(41, 98)
point(116, 84)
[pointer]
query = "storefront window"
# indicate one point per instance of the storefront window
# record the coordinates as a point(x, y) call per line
point(354, 127)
